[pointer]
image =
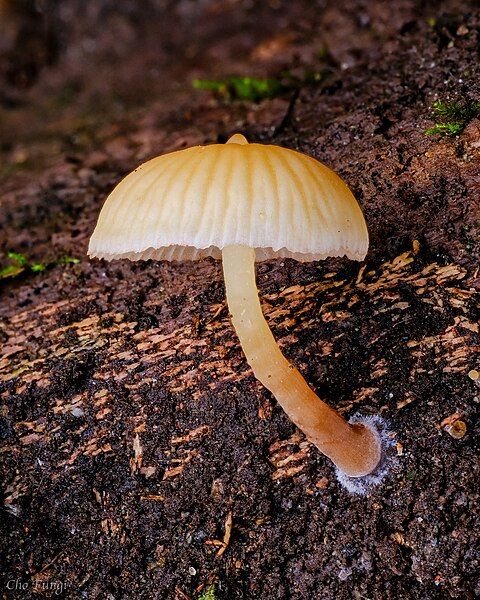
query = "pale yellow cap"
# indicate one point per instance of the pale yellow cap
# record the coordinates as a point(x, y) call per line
point(192, 203)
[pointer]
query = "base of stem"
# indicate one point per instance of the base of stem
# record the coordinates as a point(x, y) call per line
point(362, 485)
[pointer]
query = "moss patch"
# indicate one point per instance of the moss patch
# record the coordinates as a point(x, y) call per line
point(452, 117)
point(208, 594)
point(253, 89)
point(19, 264)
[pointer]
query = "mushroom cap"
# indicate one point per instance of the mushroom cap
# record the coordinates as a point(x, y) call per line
point(192, 203)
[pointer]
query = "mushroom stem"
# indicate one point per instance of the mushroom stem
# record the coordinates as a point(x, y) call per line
point(355, 449)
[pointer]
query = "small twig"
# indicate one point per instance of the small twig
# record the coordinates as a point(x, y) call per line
point(288, 117)
point(53, 561)
point(217, 313)
point(228, 533)
point(181, 594)
point(154, 497)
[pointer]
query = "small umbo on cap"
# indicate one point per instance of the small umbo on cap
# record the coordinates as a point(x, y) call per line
point(244, 202)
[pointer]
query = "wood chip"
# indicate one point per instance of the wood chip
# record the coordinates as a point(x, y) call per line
point(173, 472)
point(198, 432)
point(153, 497)
point(148, 471)
point(322, 483)
point(457, 430)
point(281, 473)
point(228, 532)
point(136, 461)
point(450, 419)
point(31, 438)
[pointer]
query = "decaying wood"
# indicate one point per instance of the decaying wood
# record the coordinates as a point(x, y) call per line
point(196, 362)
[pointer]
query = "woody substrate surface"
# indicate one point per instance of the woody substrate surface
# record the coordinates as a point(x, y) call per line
point(134, 437)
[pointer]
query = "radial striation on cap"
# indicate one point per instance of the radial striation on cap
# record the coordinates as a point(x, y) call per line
point(192, 203)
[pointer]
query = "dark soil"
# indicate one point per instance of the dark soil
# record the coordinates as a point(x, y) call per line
point(132, 431)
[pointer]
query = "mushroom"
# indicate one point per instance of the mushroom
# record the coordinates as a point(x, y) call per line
point(243, 203)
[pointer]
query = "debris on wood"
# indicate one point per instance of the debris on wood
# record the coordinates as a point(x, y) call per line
point(227, 534)
point(265, 410)
point(407, 399)
point(198, 432)
point(173, 472)
point(148, 471)
point(322, 483)
point(153, 497)
point(454, 426)
point(217, 490)
point(184, 460)
point(474, 374)
point(180, 594)
point(136, 460)
point(290, 472)
point(110, 527)
point(284, 452)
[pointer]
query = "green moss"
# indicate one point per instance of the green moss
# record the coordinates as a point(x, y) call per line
point(21, 259)
point(11, 271)
point(444, 129)
point(241, 88)
point(254, 89)
point(208, 594)
point(452, 117)
point(20, 264)
point(67, 260)
point(37, 267)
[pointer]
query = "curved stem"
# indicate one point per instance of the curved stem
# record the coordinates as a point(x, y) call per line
point(355, 449)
